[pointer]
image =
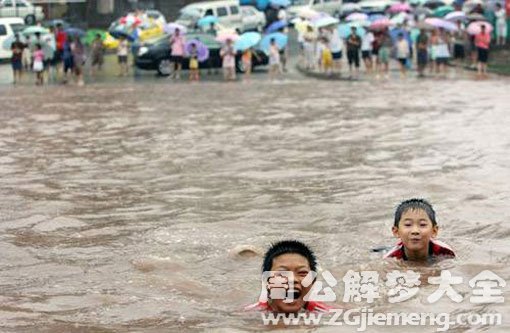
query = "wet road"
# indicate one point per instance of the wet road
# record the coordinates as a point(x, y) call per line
point(120, 203)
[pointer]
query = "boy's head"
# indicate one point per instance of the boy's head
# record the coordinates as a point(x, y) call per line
point(290, 256)
point(415, 224)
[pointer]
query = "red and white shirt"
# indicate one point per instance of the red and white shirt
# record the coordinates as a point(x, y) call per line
point(436, 248)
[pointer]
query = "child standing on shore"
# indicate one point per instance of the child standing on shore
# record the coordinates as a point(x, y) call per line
point(274, 60)
point(194, 72)
point(38, 64)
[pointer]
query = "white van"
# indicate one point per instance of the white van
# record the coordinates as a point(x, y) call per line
point(228, 13)
point(8, 27)
point(331, 7)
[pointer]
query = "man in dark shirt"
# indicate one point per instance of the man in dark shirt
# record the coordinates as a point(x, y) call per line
point(17, 51)
point(353, 47)
point(422, 43)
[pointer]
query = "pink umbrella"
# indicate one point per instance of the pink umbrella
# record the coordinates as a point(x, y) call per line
point(380, 24)
point(171, 27)
point(474, 28)
point(357, 17)
point(400, 7)
point(224, 37)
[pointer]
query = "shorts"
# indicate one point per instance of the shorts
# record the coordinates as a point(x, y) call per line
point(17, 65)
point(384, 55)
point(57, 57)
point(458, 51)
point(337, 55)
point(68, 65)
point(442, 60)
point(177, 59)
point(122, 59)
point(422, 57)
point(365, 54)
point(402, 61)
point(353, 57)
point(483, 55)
point(97, 59)
point(375, 52)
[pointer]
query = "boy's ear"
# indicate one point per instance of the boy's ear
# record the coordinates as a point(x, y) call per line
point(394, 230)
point(435, 231)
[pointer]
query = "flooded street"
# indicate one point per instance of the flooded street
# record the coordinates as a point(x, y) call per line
point(122, 204)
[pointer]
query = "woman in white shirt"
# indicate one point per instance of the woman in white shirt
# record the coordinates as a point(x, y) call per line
point(366, 50)
point(336, 45)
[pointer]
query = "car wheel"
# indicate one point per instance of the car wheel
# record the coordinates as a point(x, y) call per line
point(164, 67)
point(30, 20)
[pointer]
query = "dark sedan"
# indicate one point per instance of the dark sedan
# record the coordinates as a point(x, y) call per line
point(155, 54)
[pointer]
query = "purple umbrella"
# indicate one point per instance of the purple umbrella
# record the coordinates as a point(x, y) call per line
point(171, 27)
point(275, 26)
point(202, 50)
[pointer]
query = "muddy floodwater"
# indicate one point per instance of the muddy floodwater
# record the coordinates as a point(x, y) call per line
point(122, 205)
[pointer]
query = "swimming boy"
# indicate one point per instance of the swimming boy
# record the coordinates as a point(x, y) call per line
point(416, 227)
point(294, 257)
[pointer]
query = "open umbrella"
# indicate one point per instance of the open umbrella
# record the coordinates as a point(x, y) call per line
point(400, 7)
point(400, 18)
point(279, 3)
point(121, 31)
point(207, 20)
point(34, 30)
point(75, 32)
point(380, 24)
point(474, 28)
point(350, 8)
point(247, 40)
point(275, 26)
point(476, 17)
point(307, 13)
point(357, 17)
point(171, 27)
point(344, 30)
point(223, 37)
point(130, 21)
point(440, 23)
point(202, 50)
point(279, 38)
point(456, 16)
point(376, 17)
point(443, 10)
point(91, 35)
point(325, 21)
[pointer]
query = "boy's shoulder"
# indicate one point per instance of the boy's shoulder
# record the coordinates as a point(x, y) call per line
point(437, 248)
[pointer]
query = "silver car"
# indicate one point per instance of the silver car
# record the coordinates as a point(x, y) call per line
point(23, 9)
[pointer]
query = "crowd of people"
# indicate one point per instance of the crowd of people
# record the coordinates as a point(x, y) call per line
point(433, 49)
point(62, 61)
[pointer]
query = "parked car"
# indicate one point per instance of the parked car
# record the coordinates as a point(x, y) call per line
point(375, 6)
point(228, 13)
point(331, 7)
point(23, 9)
point(253, 19)
point(9, 27)
point(155, 54)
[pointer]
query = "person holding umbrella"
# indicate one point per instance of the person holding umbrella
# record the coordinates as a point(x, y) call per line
point(194, 73)
point(441, 50)
point(501, 27)
point(78, 51)
point(67, 57)
point(228, 55)
point(384, 52)
point(482, 43)
point(17, 52)
point(459, 42)
point(122, 55)
point(274, 60)
point(177, 42)
point(60, 38)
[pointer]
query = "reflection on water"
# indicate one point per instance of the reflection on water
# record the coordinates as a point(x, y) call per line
point(121, 204)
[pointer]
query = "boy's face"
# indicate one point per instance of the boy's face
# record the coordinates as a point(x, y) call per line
point(415, 229)
point(300, 266)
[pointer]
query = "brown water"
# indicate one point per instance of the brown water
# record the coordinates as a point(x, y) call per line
point(120, 204)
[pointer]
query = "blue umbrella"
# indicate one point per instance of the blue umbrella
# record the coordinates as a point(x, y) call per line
point(247, 40)
point(395, 32)
point(207, 20)
point(375, 17)
point(75, 32)
point(275, 26)
point(280, 3)
point(279, 38)
point(120, 32)
point(345, 30)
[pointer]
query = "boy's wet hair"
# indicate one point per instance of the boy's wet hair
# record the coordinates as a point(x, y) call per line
point(285, 247)
point(413, 204)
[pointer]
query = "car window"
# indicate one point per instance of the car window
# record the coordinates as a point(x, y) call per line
point(316, 2)
point(7, 3)
point(222, 11)
point(209, 12)
point(20, 4)
point(3, 30)
point(17, 27)
point(234, 10)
